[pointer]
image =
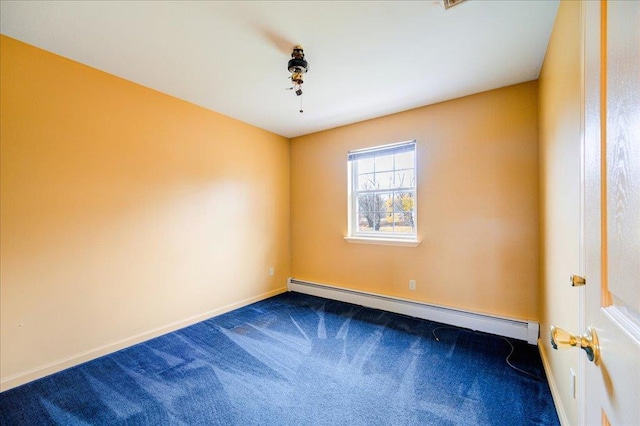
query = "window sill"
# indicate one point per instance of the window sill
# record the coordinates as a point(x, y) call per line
point(382, 241)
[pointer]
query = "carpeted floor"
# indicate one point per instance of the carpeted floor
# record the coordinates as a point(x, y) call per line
point(298, 360)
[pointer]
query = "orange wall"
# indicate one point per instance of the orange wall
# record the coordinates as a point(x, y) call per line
point(125, 213)
point(477, 205)
point(560, 141)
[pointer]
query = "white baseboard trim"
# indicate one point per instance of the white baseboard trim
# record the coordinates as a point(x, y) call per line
point(59, 365)
point(508, 327)
point(555, 393)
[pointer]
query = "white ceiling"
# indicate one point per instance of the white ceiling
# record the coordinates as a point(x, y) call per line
point(366, 58)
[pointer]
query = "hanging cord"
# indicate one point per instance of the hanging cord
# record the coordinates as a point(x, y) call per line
point(507, 359)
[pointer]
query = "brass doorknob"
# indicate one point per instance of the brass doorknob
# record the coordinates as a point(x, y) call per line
point(562, 339)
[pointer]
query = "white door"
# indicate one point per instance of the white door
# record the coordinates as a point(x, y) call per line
point(612, 211)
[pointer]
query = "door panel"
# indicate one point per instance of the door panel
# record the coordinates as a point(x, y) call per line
point(612, 210)
point(623, 152)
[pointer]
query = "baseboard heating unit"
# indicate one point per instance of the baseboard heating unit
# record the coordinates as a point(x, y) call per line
point(507, 327)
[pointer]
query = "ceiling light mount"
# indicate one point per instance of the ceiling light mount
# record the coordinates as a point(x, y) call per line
point(450, 3)
point(297, 66)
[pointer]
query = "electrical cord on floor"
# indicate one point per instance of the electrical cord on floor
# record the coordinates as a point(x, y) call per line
point(507, 359)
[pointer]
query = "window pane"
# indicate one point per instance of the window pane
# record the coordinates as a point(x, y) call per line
point(405, 160)
point(366, 203)
point(365, 221)
point(404, 212)
point(384, 180)
point(386, 224)
point(384, 163)
point(403, 202)
point(379, 203)
point(405, 179)
point(404, 222)
point(365, 165)
point(375, 211)
point(371, 221)
point(383, 203)
point(366, 182)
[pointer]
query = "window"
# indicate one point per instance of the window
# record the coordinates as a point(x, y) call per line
point(382, 193)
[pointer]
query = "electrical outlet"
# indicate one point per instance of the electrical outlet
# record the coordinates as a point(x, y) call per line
point(412, 284)
point(271, 271)
point(572, 383)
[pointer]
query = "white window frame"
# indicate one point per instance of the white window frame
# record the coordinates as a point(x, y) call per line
point(379, 237)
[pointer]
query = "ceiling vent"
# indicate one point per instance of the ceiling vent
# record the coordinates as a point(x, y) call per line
point(450, 3)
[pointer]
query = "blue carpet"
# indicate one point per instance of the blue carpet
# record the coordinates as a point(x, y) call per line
point(297, 360)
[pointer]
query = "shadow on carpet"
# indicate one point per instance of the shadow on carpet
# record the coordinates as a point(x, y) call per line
point(295, 359)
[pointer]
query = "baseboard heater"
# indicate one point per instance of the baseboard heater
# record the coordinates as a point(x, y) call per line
point(517, 329)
